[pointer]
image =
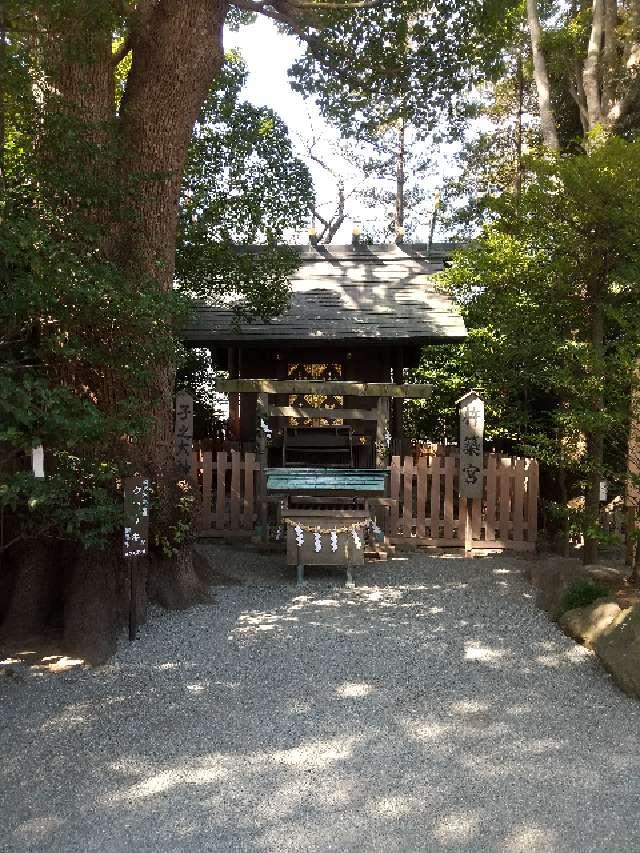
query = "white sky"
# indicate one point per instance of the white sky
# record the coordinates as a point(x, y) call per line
point(268, 55)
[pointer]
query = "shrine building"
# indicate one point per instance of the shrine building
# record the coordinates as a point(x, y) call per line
point(325, 380)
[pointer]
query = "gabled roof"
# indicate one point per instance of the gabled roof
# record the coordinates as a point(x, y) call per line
point(349, 294)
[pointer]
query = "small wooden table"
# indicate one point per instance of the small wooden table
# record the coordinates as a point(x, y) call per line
point(325, 521)
point(322, 500)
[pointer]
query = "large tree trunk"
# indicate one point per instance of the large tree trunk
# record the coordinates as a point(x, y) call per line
point(176, 54)
point(35, 579)
point(541, 77)
point(609, 55)
point(95, 602)
point(590, 74)
point(400, 181)
point(595, 438)
point(632, 492)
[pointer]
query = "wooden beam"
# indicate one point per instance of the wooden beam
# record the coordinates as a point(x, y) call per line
point(300, 386)
point(327, 414)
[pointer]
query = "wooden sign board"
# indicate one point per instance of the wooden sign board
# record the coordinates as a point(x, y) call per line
point(136, 517)
point(184, 434)
point(471, 445)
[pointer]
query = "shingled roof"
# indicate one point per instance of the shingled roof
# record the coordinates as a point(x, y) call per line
point(349, 293)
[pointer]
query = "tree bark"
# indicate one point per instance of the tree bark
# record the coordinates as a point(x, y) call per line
point(93, 605)
point(400, 181)
point(595, 438)
point(590, 74)
point(632, 491)
point(517, 179)
point(176, 54)
point(36, 577)
point(609, 55)
point(541, 77)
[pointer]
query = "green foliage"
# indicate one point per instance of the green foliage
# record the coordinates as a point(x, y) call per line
point(174, 533)
point(398, 77)
point(196, 374)
point(81, 343)
point(582, 592)
point(525, 288)
point(242, 186)
point(79, 500)
point(403, 61)
point(78, 343)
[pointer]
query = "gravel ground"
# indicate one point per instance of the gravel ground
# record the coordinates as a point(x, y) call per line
point(430, 708)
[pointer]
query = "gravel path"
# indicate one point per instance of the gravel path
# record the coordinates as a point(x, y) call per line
point(431, 708)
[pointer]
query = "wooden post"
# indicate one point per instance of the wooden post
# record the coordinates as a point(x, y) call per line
point(184, 434)
point(632, 491)
point(407, 499)
point(532, 500)
point(247, 500)
point(490, 523)
point(262, 407)
point(382, 426)
point(234, 398)
point(136, 538)
point(465, 513)
point(629, 543)
point(234, 498)
point(221, 485)
point(422, 474)
point(207, 483)
point(471, 445)
point(394, 494)
point(398, 376)
point(436, 471)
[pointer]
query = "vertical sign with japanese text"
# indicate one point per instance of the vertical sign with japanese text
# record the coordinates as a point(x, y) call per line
point(136, 516)
point(184, 434)
point(471, 445)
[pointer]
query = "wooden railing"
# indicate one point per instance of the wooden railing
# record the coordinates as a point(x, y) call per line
point(230, 493)
point(422, 507)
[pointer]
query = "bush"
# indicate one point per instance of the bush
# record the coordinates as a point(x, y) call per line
point(582, 592)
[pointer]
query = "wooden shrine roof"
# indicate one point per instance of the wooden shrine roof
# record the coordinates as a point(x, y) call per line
point(349, 293)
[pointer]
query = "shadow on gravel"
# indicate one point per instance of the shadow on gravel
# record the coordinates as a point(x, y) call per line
point(432, 709)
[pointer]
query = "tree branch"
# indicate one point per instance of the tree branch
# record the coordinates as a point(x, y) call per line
point(4, 546)
point(609, 54)
point(584, 117)
point(122, 51)
point(590, 72)
point(541, 76)
point(622, 106)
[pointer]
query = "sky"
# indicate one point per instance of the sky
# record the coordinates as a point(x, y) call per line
point(268, 55)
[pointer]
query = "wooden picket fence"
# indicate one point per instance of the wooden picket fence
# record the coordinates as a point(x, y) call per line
point(422, 508)
point(230, 490)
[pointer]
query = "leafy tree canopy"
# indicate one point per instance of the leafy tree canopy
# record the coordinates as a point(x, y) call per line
point(526, 290)
point(374, 66)
point(243, 186)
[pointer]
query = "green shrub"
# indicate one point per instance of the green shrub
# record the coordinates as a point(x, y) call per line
point(582, 592)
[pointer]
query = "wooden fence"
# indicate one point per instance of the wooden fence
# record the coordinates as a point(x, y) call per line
point(422, 508)
point(230, 490)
